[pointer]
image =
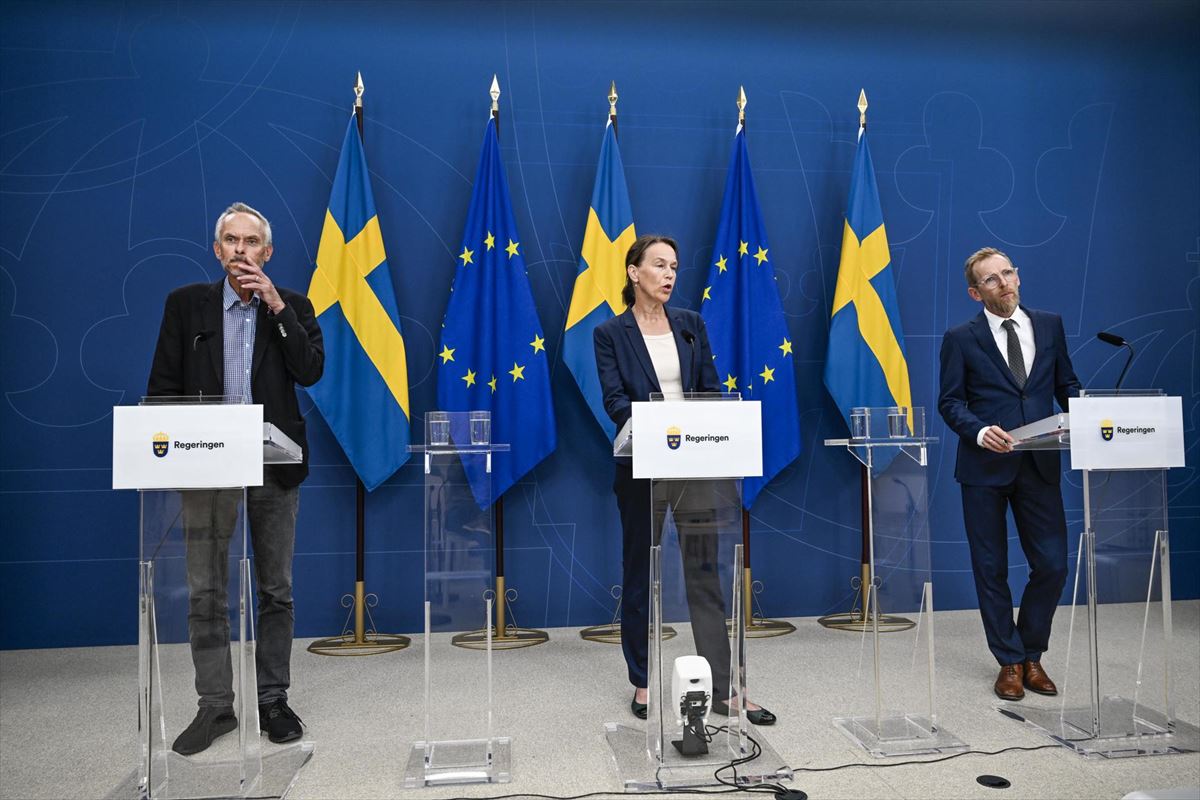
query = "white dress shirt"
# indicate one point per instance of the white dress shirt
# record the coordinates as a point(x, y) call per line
point(1024, 328)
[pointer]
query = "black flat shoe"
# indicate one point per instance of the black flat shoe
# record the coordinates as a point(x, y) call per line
point(757, 717)
point(638, 709)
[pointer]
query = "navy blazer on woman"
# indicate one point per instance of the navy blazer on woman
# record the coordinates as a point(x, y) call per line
point(978, 389)
point(626, 372)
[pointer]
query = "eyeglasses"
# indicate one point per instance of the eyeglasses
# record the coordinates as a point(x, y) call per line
point(1005, 275)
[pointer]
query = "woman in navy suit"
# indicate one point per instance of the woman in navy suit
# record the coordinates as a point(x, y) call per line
point(651, 348)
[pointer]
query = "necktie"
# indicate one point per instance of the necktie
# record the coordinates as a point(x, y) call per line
point(1016, 359)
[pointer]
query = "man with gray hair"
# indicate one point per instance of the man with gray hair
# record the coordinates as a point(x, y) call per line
point(248, 340)
point(1001, 370)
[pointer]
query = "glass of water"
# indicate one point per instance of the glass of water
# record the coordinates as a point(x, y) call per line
point(860, 423)
point(481, 427)
point(438, 424)
point(898, 422)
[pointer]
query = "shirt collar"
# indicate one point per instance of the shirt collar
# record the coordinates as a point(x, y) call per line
point(230, 296)
point(1019, 316)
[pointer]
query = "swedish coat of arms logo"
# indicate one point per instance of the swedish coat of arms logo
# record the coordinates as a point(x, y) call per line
point(1106, 429)
point(673, 437)
point(161, 444)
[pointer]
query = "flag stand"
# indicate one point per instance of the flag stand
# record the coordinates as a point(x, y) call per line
point(757, 627)
point(361, 640)
point(855, 619)
point(504, 636)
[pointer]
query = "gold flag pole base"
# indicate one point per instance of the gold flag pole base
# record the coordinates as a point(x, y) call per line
point(762, 628)
point(359, 640)
point(856, 620)
point(610, 633)
point(510, 636)
point(757, 625)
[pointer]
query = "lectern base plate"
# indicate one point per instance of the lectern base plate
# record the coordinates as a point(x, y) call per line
point(459, 761)
point(1126, 730)
point(639, 773)
point(898, 735)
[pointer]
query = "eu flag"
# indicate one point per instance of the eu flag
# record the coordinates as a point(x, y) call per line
point(597, 295)
point(746, 326)
point(363, 394)
point(865, 364)
point(493, 356)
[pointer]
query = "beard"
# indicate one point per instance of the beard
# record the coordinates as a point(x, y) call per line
point(1004, 306)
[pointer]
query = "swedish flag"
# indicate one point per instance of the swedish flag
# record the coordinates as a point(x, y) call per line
point(865, 364)
point(746, 326)
point(597, 295)
point(493, 355)
point(363, 394)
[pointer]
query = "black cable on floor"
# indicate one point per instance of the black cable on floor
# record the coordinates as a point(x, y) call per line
point(764, 788)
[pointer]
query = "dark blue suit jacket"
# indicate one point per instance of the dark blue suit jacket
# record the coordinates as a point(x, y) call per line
point(626, 372)
point(978, 389)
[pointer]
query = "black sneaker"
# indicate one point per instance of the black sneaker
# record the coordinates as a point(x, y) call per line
point(279, 722)
point(210, 722)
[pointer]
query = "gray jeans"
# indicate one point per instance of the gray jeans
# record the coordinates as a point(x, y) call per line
point(209, 520)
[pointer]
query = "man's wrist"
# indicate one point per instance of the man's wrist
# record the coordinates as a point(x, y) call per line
point(979, 436)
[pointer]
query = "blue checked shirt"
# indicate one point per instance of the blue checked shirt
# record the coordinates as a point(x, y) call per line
point(241, 320)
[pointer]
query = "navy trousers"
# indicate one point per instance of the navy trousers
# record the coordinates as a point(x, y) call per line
point(1037, 509)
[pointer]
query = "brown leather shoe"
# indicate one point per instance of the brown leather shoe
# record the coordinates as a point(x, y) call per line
point(1036, 679)
point(1008, 684)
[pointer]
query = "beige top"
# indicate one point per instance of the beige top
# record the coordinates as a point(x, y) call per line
point(665, 358)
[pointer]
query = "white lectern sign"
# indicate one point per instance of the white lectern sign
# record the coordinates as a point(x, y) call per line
point(697, 439)
point(1132, 432)
point(187, 446)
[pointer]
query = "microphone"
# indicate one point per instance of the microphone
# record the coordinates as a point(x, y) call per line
point(1117, 341)
point(202, 336)
point(690, 338)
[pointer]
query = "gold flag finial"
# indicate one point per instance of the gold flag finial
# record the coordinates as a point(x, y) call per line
point(495, 93)
point(612, 99)
point(862, 108)
point(358, 91)
point(741, 104)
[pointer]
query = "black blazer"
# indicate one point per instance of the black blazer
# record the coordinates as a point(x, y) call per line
point(978, 389)
point(189, 358)
point(626, 372)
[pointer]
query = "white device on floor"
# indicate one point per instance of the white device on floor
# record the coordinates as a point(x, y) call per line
point(691, 676)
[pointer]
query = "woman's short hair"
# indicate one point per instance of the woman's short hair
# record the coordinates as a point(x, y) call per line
point(634, 258)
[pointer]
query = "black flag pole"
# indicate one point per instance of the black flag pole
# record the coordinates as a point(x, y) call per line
point(506, 636)
point(360, 640)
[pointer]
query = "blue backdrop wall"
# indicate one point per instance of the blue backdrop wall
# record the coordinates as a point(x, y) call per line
point(1067, 134)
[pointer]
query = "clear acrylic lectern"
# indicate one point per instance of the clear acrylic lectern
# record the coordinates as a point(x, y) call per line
point(897, 716)
point(196, 617)
point(459, 743)
point(695, 588)
point(1116, 692)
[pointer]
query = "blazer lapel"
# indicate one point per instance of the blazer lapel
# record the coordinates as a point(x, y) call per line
point(683, 348)
point(1041, 338)
point(983, 334)
point(212, 317)
point(634, 334)
point(261, 336)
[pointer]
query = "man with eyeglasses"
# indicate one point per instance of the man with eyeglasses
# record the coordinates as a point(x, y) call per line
point(1001, 370)
point(251, 341)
